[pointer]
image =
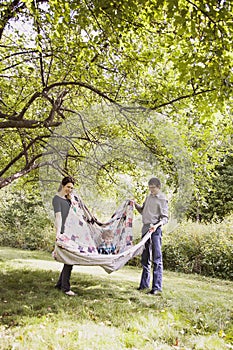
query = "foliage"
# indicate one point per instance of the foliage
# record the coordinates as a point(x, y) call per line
point(172, 57)
point(24, 221)
point(217, 202)
point(202, 249)
point(108, 312)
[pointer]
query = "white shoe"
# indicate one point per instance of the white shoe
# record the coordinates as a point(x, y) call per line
point(70, 293)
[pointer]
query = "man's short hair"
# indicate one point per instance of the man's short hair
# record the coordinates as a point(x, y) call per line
point(154, 181)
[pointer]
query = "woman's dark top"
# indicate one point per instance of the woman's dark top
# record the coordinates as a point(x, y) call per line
point(61, 205)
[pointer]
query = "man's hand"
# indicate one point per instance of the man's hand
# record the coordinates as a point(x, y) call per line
point(154, 227)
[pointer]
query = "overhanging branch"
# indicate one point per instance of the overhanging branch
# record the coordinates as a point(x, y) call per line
point(22, 153)
point(181, 98)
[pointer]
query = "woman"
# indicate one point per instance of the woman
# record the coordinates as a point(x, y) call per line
point(61, 206)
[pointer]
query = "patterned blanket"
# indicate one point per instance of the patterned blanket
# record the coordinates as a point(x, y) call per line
point(84, 236)
point(84, 233)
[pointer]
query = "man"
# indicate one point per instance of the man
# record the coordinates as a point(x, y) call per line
point(154, 210)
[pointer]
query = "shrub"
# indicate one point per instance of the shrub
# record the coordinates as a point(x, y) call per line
point(202, 249)
point(25, 223)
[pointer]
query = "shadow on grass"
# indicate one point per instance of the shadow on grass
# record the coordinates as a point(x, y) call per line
point(8, 253)
point(31, 294)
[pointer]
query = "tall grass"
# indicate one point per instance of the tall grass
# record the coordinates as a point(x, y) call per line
point(108, 312)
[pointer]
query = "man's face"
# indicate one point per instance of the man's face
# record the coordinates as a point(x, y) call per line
point(154, 189)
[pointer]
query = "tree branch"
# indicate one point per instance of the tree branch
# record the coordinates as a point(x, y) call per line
point(181, 98)
point(22, 153)
point(11, 10)
point(34, 4)
point(55, 107)
point(27, 169)
point(18, 54)
point(82, 122)
point(28, 124)
point(202, 11)
point(81, 84)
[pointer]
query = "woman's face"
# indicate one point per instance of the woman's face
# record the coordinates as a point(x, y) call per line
point(68, 188)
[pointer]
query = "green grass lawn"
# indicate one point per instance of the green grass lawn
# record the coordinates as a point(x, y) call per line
point(108, 312)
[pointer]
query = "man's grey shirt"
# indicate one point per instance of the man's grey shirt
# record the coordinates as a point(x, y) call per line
point(154, 209)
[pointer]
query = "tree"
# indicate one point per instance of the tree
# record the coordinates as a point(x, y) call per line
point(217, 202)
point(172, 57)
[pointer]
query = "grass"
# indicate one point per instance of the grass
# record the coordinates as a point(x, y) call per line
point(108, 312)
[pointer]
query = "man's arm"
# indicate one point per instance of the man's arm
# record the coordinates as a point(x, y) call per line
point(164, 212)
point(139, 207)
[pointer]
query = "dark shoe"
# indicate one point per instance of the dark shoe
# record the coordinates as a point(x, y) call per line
point(57, 287)
point(155, 292)
point(141, 288)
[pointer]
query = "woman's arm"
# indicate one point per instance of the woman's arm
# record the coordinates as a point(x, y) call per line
point(58, 223)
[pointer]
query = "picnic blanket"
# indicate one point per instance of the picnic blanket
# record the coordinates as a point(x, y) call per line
point(83, 233)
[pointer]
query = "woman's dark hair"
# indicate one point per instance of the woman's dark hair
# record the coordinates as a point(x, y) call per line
point(66, 180)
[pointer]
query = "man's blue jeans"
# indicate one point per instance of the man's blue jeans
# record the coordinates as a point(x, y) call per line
point(152, 253)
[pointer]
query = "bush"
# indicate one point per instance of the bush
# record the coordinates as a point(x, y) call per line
point(25, 223)
point(202, 249)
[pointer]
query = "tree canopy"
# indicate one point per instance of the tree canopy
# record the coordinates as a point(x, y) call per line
point(163, 68)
